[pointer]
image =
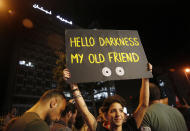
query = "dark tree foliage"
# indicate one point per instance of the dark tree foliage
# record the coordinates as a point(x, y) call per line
point(58, 71)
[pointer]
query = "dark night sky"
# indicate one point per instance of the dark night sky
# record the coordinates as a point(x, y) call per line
point(163, 25)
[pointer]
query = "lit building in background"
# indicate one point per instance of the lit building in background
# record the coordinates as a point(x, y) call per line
point(103, 92)
point(33, 74)
point(36, 34)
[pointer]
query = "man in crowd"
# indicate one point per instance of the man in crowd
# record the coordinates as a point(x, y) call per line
point(10, 116)
point(50, 106)
point(185, 110)
point(67, 117)
point(161, 117)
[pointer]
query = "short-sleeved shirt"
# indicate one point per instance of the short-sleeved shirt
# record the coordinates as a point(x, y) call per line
point(60, 126)
point(29, 121)
point(130, 125)
point(161, 117)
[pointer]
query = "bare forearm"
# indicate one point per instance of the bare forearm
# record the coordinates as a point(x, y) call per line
point(143, 102)
point(144, 93)
point(81, 105)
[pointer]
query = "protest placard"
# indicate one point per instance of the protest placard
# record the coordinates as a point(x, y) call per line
point(102, 55)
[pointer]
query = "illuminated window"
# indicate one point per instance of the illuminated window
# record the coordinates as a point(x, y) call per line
point(53, 85)
point(22, 62)
point(67, 94)
point(101, 95)
point(161, 83)
point(112, 89)
point(25, 63)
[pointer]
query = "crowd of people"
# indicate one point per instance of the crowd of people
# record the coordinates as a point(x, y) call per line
point(151, 113)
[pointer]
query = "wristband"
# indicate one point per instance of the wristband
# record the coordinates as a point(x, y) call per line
point(77, 96)
point(74, 90)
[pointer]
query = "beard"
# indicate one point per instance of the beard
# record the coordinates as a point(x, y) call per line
point(48, 120)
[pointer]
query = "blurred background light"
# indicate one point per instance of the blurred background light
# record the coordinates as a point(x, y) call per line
point(2, 5)
point(27, 23)
point(187, 70)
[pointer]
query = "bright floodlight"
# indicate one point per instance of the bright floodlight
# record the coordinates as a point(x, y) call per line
point(187, 70)
point(2, 5)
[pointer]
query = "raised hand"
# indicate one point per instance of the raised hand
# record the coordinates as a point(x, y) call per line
point(66, 74)
point(149, 67)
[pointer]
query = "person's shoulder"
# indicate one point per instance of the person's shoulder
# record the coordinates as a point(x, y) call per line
point(61, 127)
point(67, 129)
point(153, 109)
point(157, 106)
point(37, 125)
point(29, 117)
point(100, 127)
point(130, 124)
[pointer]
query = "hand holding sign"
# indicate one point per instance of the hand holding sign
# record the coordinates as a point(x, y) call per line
point(66, 74)
point(149, 67)
point(90, 119)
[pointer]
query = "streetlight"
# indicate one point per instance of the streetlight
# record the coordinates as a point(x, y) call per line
point(187, 71)
point(2, 5)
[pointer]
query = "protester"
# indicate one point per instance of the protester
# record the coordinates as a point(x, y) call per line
point(12, 114)
point(67, 116)
point(162, 117)
point(185, 110)
point(101, 118)
point(113, 108)
point(9, 124)
point(80, 124)
point(50, 106)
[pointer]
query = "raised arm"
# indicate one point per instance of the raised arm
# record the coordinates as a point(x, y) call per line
point(143, 100)
point(81, 105)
